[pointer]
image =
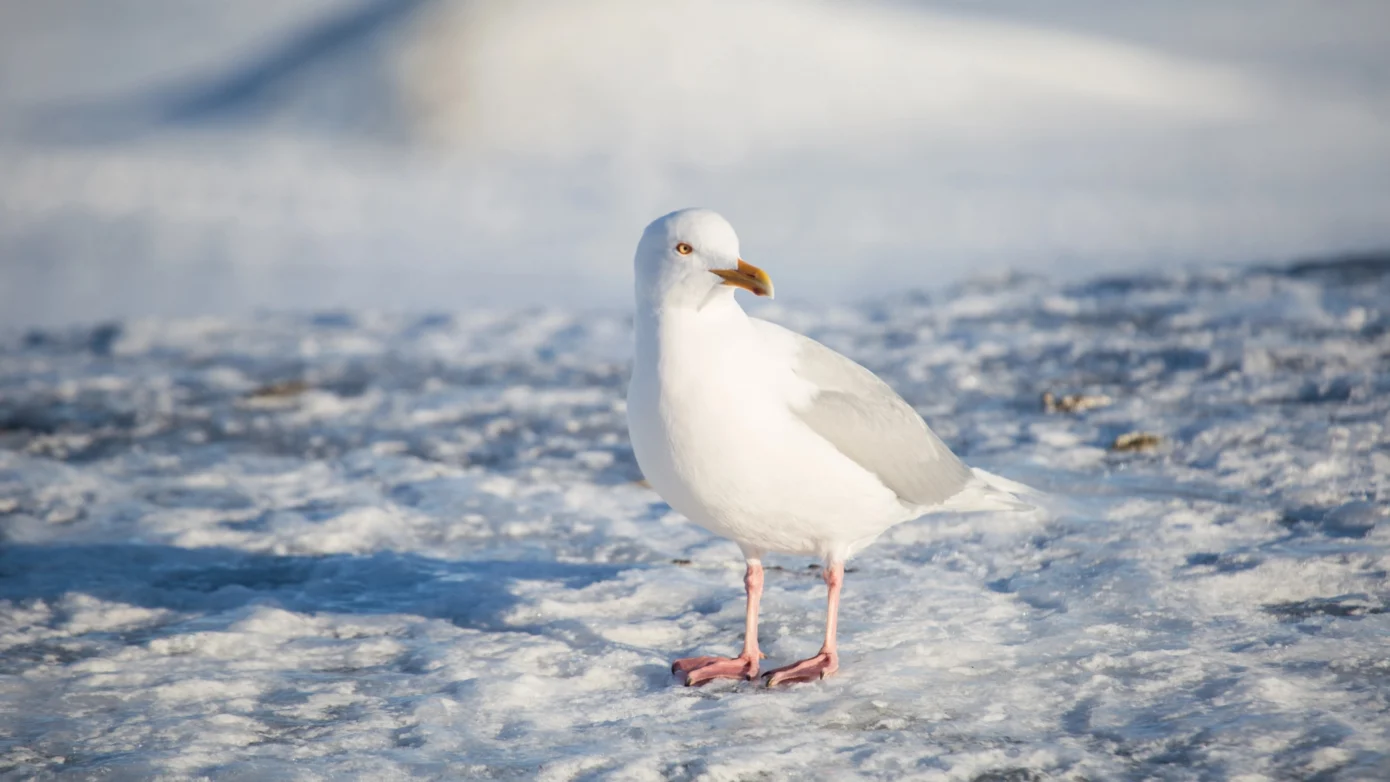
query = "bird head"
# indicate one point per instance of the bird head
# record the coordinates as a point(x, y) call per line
point(686, 257)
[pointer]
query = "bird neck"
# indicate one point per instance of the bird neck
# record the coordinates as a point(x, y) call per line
point(660, 329)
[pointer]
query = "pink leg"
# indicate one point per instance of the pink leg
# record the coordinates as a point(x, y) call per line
point(828, 661)
point(699, 670)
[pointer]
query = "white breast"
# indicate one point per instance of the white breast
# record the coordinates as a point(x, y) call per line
point(710, 415)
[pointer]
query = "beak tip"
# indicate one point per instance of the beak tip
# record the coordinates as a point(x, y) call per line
point(748, 277)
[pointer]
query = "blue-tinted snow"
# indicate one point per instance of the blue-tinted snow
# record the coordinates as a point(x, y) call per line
point(353, 545)
point(181, 159)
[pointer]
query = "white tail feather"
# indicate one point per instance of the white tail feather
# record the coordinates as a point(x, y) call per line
point(990, 492)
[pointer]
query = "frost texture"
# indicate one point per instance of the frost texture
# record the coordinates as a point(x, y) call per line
point(356, 546)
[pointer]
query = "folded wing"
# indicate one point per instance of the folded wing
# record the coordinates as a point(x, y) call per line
point(868, 422)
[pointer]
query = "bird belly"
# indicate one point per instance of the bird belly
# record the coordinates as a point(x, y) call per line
point(756, 475)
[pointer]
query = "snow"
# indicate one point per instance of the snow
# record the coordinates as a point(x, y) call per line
point(431, 558)
point(181, 158)
point(314, 335)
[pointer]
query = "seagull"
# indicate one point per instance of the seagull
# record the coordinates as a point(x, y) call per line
point(767, 437)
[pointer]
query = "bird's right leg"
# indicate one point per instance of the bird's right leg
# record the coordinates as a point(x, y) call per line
point(699, 670)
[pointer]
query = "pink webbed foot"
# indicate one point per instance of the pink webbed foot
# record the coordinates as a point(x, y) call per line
point(809, 670)
point(694, 671)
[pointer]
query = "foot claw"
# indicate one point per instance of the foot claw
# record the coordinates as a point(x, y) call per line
point(694, 671)
point(808, 670)
point(691, 663)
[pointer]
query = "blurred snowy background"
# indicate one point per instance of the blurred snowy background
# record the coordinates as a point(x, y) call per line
point(178, 157)
point(314, 338)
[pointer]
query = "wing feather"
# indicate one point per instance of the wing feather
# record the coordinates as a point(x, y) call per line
point(868, 422)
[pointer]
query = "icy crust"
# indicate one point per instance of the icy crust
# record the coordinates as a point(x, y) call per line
point(374, 547)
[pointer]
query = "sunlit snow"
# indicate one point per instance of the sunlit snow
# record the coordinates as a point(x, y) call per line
point(351, 545)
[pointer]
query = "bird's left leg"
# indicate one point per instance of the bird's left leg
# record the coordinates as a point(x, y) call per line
point(828, 661)
point(699, 670)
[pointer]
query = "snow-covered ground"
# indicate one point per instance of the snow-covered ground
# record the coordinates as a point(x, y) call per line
point(364, 546)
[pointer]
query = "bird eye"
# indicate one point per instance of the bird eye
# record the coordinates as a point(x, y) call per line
point(684, 249)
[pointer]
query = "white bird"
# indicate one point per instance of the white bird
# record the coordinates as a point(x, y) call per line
point(767, 437)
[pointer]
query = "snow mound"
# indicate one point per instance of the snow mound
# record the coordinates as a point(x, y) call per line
point(699, 82)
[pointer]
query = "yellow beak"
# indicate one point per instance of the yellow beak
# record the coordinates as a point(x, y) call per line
point(748, 277)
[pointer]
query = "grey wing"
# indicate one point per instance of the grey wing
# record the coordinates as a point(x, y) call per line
point(867, 421)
